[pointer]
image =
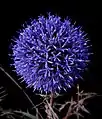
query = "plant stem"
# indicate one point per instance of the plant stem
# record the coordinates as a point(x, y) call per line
point(18, 86)
point(78, 101)
point(20, 89)
point(49, 109)
point(69, 112)
point(51, 99)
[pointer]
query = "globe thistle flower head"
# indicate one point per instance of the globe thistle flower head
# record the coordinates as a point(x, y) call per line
point(50, 54)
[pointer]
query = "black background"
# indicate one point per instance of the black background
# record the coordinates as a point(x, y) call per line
point(86, 14)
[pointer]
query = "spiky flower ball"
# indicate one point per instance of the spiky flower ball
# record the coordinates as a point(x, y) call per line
point(50, 54)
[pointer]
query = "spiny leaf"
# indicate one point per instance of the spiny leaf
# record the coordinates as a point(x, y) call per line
point(26, 114)
point(84, 109)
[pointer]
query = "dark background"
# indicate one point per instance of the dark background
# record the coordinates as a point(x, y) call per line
point(86, 14)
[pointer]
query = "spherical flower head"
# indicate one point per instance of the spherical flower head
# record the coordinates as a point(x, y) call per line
point(50, 53)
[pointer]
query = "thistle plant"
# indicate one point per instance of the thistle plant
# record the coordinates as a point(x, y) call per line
point(50, 54)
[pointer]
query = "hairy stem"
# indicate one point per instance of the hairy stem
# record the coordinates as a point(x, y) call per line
point(78, 101)
point(49, 109)
point(51, 99)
